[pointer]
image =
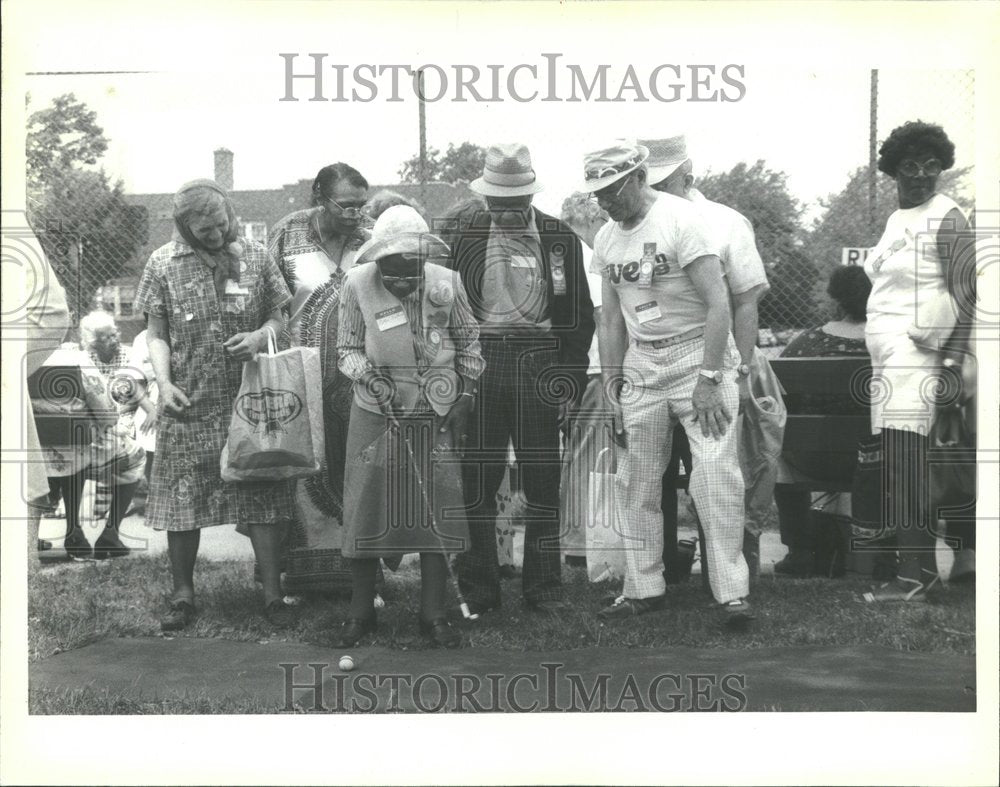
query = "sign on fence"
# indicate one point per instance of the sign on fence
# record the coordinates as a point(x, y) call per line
point(853, 255)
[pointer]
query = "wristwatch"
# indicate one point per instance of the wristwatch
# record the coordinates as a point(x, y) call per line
point(743, 370)
point(713, 376)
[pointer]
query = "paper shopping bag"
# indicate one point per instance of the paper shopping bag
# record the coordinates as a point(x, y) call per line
point(276, 429)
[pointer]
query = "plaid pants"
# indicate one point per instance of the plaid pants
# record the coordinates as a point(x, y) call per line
point(514, 406)
point(664, 381)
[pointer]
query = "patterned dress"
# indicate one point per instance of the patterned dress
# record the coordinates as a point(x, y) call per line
point(186, 489)
point(313, 560)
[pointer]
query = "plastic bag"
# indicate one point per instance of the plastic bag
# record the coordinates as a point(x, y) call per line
point(276, 430)
point(605, 549)
point(761, 437)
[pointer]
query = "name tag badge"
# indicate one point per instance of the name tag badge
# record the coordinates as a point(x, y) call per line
point(390, 318)
point(233, 288)
point(648, 312)
point(522, 261)
point(558, 264)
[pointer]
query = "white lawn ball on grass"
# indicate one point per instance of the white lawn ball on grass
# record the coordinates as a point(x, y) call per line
point(346, 663)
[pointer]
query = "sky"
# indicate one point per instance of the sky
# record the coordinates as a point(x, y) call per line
point(809, 120)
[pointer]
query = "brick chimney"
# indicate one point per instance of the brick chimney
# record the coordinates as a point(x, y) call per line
point(224, 168)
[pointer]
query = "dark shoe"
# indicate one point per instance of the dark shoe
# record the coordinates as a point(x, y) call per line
point(43, 545)
point(179, 616)
point(77, 545)
point(440, 633)
point(280, 615)
point(553, 606)
point(108, 546)
point(630, 607)
point(482, 607)
point(738, 613)
point(796, 563)
point(354, 630)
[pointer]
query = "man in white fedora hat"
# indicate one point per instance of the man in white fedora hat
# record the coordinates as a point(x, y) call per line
point(526, 282)
point(668, 356)
point(670, 172)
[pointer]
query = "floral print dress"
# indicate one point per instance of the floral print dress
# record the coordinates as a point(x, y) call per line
point(186, 489)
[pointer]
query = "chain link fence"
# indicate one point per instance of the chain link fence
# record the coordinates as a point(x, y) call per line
point(98, 238)
point(801, 260)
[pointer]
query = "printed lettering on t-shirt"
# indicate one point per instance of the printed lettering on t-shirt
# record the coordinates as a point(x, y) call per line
point(630, 271)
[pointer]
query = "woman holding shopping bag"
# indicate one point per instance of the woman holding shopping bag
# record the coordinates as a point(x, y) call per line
point(314, 248)
point(410, 343)
point(209, 299)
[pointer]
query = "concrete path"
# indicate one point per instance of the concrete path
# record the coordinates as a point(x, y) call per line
point(291, 675)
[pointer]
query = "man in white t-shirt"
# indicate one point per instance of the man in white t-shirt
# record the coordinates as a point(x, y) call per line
point(671, 172)
point(665, 334)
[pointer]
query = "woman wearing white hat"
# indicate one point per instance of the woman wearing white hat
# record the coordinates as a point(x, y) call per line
point(409, 341)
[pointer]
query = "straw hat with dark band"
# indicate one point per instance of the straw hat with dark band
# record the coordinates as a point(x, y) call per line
point(507, 172)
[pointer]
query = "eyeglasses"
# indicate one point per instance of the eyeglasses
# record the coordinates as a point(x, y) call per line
point(599, 195)
point(349, 211)
point(911, 169)
point(400, 279)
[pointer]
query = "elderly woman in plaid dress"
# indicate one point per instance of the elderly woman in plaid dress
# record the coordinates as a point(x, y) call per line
point(209, 299)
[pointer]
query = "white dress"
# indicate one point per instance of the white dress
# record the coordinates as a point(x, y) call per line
point(905, 271)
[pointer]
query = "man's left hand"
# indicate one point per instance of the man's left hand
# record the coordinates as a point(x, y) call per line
point(709, 409)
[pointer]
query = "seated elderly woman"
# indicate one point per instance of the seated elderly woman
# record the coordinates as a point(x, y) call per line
point(210, 301)
point(409, 341)
point(842, 336)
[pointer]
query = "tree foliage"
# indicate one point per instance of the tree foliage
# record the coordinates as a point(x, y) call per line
point(762, 196)
point(89, 232)
point(62, 136)
point(462, 162)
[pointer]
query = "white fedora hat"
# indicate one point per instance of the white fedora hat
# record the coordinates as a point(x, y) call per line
point(401, 230)
point(507, 172)
point(665, 156)
point(604, 166)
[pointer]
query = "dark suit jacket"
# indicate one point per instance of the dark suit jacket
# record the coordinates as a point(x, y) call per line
point(572, 314)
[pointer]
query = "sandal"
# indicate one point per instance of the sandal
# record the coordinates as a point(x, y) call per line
point(902, 589)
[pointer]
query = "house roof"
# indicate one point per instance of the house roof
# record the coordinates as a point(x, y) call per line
point(270, 205)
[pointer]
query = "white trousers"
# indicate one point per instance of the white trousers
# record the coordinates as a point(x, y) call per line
point(660, 396)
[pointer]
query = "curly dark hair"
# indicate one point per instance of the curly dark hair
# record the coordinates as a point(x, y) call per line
point(328, 177)
point(911, 136)
point(849, 287)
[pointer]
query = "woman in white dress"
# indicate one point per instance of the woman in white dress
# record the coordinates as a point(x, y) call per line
point(923, 279)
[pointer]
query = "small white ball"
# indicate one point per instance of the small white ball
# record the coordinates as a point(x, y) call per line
point(346, 663)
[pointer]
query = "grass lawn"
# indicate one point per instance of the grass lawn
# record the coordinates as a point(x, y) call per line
point(74, 604)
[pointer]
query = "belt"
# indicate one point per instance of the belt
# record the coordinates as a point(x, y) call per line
point(658, 344)
point(516, 336)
